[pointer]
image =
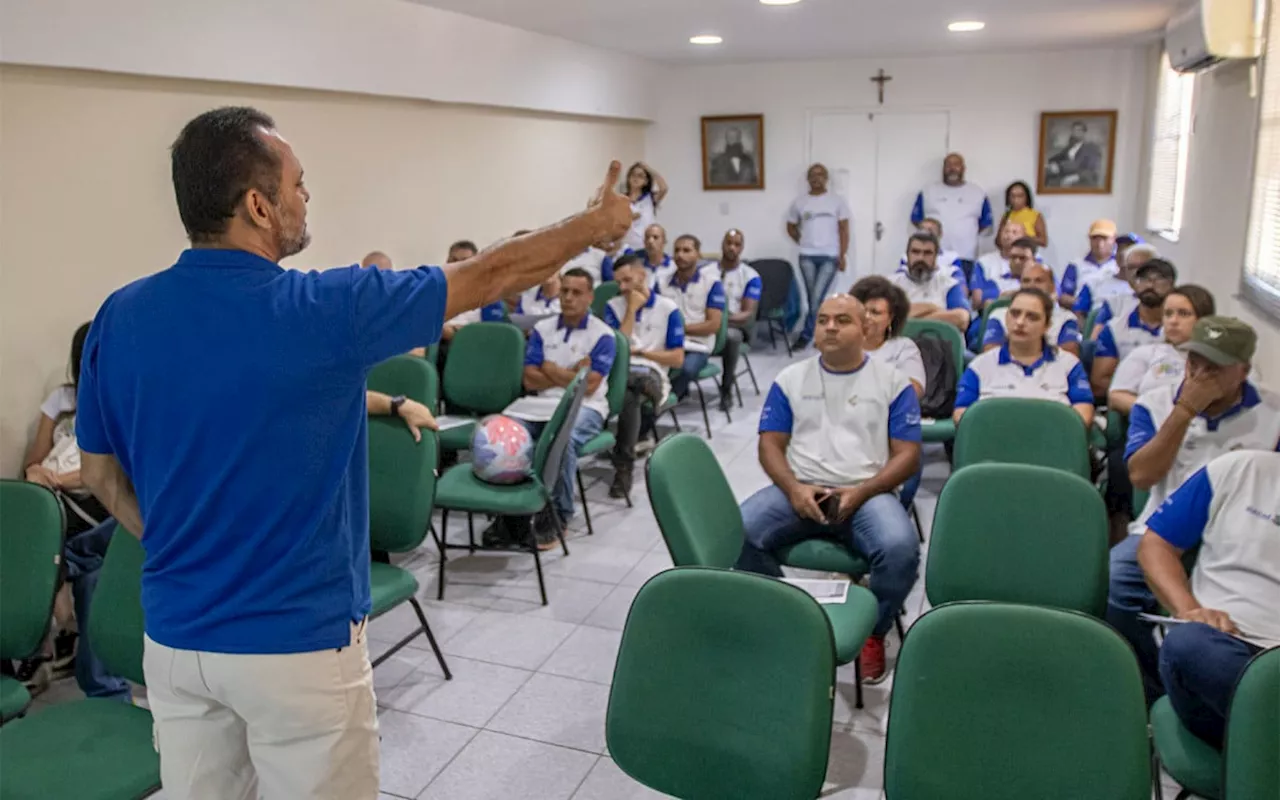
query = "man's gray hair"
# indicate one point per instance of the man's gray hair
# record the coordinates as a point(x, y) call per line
point(1144, 251)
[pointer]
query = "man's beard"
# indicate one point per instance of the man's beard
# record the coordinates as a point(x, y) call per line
point(1150, 298)
point(919, 271)
point(952, 178)
point(293, 245)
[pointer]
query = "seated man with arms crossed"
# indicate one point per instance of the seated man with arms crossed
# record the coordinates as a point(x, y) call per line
point(699, 295)
point(1174, 431)
point(839, 433)
point(742, 288)
point(655, 329)
point(1232, 602)
point(1064, 331)
point(934, 293)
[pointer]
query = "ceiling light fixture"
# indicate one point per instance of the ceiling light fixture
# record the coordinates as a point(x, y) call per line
point(966, 26)
point(779, 2)
point(705, 38)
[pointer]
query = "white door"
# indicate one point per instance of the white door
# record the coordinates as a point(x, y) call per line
point(846, 143)
point(909, 153)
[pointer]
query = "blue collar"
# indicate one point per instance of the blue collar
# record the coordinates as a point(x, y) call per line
point(1249, 398)
point(1047, 356)
point(675, 279)
point(540, 296)
point(561, 325)
point(823, 367)
point(666, 260)
point(1135, 321)
point(653, 298)
point(1089, 258)
point(233, 259)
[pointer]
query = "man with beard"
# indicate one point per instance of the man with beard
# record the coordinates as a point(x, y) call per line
point(963, 208)
point(1141, 325)
point(933, 293)
point(733, 166)
point(222, 418)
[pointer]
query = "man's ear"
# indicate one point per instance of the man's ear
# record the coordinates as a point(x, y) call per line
point(258, 210)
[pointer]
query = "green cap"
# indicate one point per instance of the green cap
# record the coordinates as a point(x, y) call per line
point(1222, 340)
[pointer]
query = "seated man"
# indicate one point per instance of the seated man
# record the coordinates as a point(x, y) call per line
point(1140, 325)
point(655, 330)
point(933, 293)
point(699, 295)
point(655, 245)
point(742, 287)
point(1063, 331)
point(1174, 431)
point(544, 300)
point(557, 348)
point(948, 260)
point(1232, 601)
point(1022, 254)
point(1111, 294)
point(995, 266)
point(1102, 257)
point(839, 433)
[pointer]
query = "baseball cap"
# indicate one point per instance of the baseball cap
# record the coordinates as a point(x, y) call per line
point(1130, 239)
point(1102, 227)
point(1161, 268)
point(1222, 340)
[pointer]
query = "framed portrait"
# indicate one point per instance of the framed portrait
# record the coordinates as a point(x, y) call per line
point(1077, 152)
point(733, 152)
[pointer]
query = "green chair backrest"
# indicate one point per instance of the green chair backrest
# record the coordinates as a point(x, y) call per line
point(1019, 431)
point(433, 356)
point(1252, 750)
point(722, 333)
point(116, 624)
point(723, 688)
point(1002, 302)
point(604, 292)
point(31, 529)
point(695, 508)
point(554, 439)
point(410, 376)
point(1019, 534)
point(1089, 321)
point(996, 701)
point(484, 372)
point(915, 328)
point(402, 484)
point(618, 374)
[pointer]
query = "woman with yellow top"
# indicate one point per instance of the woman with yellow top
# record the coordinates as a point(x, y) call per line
point(1020, 207)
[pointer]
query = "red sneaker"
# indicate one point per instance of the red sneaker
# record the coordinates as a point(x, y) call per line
point(871, 661)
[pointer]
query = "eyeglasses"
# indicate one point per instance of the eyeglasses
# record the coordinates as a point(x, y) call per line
point(1149, 280)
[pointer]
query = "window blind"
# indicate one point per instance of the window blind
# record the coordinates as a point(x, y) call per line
point(1168, 167)
point(1262, 248)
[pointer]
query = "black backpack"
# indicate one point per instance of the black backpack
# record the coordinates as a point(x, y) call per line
point(939, 400)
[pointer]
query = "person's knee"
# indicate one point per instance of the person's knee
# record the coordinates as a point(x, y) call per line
point(1127, 590)
point(896, 544)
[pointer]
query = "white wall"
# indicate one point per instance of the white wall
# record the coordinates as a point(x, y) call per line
point(381, 47)
point(994, 101)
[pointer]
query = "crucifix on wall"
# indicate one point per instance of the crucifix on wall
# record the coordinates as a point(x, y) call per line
point(880, 78)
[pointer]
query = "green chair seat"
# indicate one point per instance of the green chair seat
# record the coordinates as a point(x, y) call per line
point(87, 749)
point(457, 438)
point(824, 555)
point(1189, 759)
point(14, 697)
point(937, 431)
point(711, 370)
point(390, 586)
point(459, 489)
point(602, 442)
point(852, 622)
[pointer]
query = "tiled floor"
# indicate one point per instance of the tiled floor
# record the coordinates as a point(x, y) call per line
point(524, 715)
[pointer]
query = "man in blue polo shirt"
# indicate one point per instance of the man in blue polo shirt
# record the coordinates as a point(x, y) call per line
point(222, 403)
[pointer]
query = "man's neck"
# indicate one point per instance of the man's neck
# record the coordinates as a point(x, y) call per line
point(817, 192)
point(1151, 317)
point(729, 266)
point(684, 275)
point(572, 321)
point(239, 243)
point(843, 360)
point(654, 257)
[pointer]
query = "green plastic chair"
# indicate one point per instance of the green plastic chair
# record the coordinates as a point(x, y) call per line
point(701, 524)
point(92, 749)
point(995, 701)
point(402, 485)
point(483, 374)
point(405, 375)
point(1019, 431)
point(31, 537)
point(1090, 320)
point(460, 490)
point(712, 370)
point(733, 702)
point(1019, 534)
point(605, 441)
point(988, 309)
point(938, 430)
point(604, 292)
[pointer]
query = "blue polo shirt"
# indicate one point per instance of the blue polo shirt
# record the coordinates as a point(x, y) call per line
point(232, 392)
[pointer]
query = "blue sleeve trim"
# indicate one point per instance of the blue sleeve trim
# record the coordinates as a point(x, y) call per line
point(1084, 301)
point(753, 289)
point(776, 415)
point(533, 356)
point(611, 319)
point(994, 334)
point(917, 210)
point(1104, 314)
point(1142, 429)
point(904, 416)
point(1068, 283)
point(603, 354)
point(985, 221)
point(494, 312)
point(1070, 333)
point(969, 390)
point(715, 297)
point(1106, 345)
point(956, 298)
point(1078, 388)
point(1181, 519)
point(675, 330)
point(606, 269)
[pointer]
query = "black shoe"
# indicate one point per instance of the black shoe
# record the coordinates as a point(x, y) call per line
point(621, 486)
point(726, 403)
point(497, 535)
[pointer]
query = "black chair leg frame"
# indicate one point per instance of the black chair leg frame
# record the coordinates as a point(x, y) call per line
point(443, 543)
point(423, 627)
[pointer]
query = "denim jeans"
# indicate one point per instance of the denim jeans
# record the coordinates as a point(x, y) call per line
point(817, 272)
point(693, 364)
point(84, 554)
point(1200, 667)
point(1127, 597)
point(880, 530)
point(585, 427)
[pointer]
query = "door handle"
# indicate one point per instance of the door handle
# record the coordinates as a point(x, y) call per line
point(879, 230)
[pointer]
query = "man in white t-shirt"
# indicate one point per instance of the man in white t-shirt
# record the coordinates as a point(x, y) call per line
point(1227, 509)
point(839, 433)
point(962, 207)
point(742, 287)
point(699, 295)
point(655, 329)
point(819, 223)
point(1174, 431)
point(1064, 331)
point(934, 294)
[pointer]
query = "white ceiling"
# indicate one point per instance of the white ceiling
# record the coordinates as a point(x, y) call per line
point(660, 29)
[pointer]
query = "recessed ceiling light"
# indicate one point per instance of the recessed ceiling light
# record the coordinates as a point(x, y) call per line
point(779, 2)
point(966, 26)
point(705, 38)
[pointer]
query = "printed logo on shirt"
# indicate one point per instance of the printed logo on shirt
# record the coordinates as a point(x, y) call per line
point(1274, 519)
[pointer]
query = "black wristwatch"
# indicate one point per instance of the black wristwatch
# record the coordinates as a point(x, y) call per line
point(396, 403)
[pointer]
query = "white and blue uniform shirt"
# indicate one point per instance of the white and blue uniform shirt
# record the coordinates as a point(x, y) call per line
point(1057, 376)
point(963, 210)
point(1251, 424)
point(819, 216)
point(494, 312)
point(1063, 328)
point(955, 270)
point(658, 326)
point(1104, 291)
point(840, 423)
point(1079, 273)
point(903, 353)
point(646, 212)
point(649, 265)
point(534, 303)
point(553, 340)
point(1148, 367)
point(703, 291)
point(1122, 335)
point(940, 289)
point(947, 258)
point(1229, 508)
point(594, 261)
point(740, 283)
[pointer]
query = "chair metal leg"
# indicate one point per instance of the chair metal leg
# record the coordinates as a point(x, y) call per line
point(737, 390)
point(702, 400)
point(444, 540)
point(537, 564)
point(431, 639)
point(915, 517)
point(555, 520)
point(586, 510)
point(746, 359)
point(627, 497)
point(897, 622)
point(471, 531)
point(857, 683)
point(773, 343)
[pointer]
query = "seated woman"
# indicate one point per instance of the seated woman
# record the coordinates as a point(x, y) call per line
point(1157, 364)
point(1027, 365)
point(887, 310)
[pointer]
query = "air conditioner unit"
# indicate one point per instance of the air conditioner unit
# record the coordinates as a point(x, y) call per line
point(1212, 31)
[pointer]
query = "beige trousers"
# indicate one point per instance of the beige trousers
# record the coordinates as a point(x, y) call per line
point(277, 727)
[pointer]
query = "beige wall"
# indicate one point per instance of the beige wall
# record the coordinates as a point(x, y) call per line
point(86, 203)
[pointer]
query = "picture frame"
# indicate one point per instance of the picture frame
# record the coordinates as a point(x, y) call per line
point(1077, 152)
point(733, 152)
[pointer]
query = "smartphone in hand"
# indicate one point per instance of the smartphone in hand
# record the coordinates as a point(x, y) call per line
point(830, 505)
